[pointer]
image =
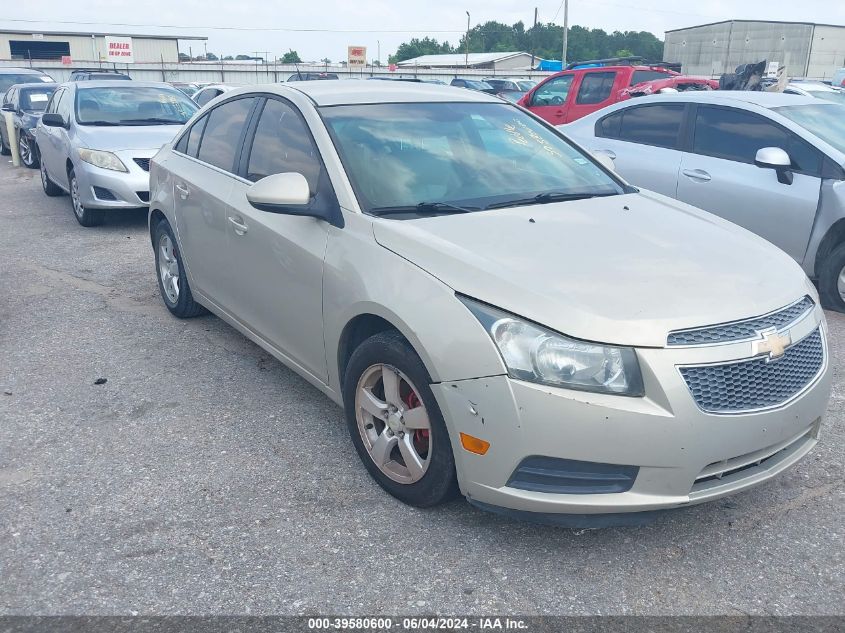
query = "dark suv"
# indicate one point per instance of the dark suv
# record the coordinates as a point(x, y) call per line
point(98, 75)
point(11, 76)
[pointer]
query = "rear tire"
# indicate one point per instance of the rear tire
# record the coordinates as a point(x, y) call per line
point(4, 149)
point(422, 478)
point(86, 217)
point(50, 188)
point(170, 272)
point(832, 280)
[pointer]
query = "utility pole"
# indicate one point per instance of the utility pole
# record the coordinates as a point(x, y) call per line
point(533, 37)
point(379, 52)
point(565, 33)
point(466, 45)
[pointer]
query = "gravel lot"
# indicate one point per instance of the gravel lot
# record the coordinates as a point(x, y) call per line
point(204, 477)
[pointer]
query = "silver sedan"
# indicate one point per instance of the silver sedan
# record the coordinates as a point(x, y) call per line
point(95, 141)
point(497, 313)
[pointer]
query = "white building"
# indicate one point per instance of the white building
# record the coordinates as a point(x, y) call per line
point(23, 46)
point(482, 61)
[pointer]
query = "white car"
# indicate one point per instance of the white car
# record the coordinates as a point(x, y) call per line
point(816, 89)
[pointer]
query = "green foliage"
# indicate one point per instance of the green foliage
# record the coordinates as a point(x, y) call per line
point(212, 57)
point(545, 40)
point(291, 57)
point(418, 47)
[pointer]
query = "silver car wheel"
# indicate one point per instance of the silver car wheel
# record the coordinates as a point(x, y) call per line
point(44, 177)
point(78, 209)
point(840, 284)
point(168, 269)
point(393, 423)
point(25, 151)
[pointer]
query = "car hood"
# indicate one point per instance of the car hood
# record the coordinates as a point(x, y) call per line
point(624, 269)
point(114, 139)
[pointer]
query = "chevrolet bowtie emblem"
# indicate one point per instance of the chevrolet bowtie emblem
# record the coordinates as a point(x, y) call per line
point(772, 344)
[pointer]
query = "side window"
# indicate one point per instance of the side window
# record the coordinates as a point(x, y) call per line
point(54, 101)
point(553, 92)
point(737, 135)
point(10, 96)
point(65, 106)
point(658, 125)
point(194, 137)
point(609, 126)
point(206, 96)
point(639, 76)
point(595, 87)
point(283, 143)
point(222, 132)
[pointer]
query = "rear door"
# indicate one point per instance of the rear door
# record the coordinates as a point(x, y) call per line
point(718, 174)
point(644, 141)
point(203, 175)
point(550, 99)
point(280, 257)
point(50, 140)
point(595, 90)
point(8, 98)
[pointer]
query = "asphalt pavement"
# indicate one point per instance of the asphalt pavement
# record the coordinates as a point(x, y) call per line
point(203, 477)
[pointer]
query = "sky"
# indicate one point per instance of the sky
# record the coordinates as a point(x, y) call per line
point(324, 28)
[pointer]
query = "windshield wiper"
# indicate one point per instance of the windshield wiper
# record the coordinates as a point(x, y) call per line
point(98, 123)
point(150, 121)
point(546, 198)
point(423, 208)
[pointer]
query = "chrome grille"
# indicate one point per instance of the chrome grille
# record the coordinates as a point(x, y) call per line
point(757, 383)
point(741, 330)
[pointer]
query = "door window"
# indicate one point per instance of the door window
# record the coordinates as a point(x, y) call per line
point(595, 87)
point(658, 125)
point(737, 135)
point(553, 92)
point(207, 95)
point(283, 143)
point(221, 138)
point(65, 107)
point(53, 106)
point(190, 141)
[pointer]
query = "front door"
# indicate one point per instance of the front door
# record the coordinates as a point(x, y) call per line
point(279, 257)
point(719, 176)
point(549, 100)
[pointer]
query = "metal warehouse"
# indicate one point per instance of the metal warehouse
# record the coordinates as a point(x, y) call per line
point(804, 48)
point(87, 47)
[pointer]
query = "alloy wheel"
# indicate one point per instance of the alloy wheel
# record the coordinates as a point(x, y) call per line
point(168, 269)
point(840, 283)
point(78, 209)
point(393, 423)
point(25, 151)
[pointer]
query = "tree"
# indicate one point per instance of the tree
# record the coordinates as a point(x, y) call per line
point(242, 57)
point(326, 61)
point(228, 58)
point(184, 57)
point(418, 47)
point(291, 57)
point(212, 57)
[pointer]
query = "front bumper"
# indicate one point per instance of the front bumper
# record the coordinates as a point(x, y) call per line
point(684, 455)
point(108, 189)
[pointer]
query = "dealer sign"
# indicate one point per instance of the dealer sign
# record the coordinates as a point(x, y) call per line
point(119, 49)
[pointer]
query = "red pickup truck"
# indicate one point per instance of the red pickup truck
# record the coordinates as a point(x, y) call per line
point(567, 96)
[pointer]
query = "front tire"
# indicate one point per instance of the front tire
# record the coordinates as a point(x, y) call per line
point(86, 217)
point(50, 188)
point(27, 151)
point(170, 272)
point(832, 280)
point(395, 423)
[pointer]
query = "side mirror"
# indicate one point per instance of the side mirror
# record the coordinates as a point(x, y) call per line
point(777, 159)
point(52, 119)
point(605, 161)
point(8, 107)
point(286, 193)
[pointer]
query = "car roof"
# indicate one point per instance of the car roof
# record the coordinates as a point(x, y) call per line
point(14, 70)
point(729, 97)
point(36, 84)
point(358, 91)
point(814, 86)
point(111, 83)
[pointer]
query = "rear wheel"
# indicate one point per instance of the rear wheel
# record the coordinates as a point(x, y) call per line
point(170, 271)
point(50, 188)
point(5, 150)
point(832, 280)
point(86, 217)
point(395, 423)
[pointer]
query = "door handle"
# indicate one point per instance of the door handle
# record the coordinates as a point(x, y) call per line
point(183, 190)
point(697, 174)
point(238, 223)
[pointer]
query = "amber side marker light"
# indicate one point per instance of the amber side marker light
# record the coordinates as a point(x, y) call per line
point(474, 445)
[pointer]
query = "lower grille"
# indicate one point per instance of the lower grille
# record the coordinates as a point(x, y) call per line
point(143, 163)
point(758, 383)
point(144, 196)
point(101, 193)
point(568, 476)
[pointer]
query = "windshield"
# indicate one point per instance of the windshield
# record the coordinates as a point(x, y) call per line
point(526, 84)
point(473, 155)
point(834, 96)
point(35, 99)
point(133, 105)
point(7, 80)
point(827, 121)
point(478, 85)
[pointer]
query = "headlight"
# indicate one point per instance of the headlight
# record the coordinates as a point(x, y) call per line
point(104, 160)
point(536, 354)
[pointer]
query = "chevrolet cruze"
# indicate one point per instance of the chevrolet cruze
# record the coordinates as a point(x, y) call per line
point(495, 310)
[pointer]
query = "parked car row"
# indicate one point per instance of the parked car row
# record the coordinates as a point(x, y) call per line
point(497, 310)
